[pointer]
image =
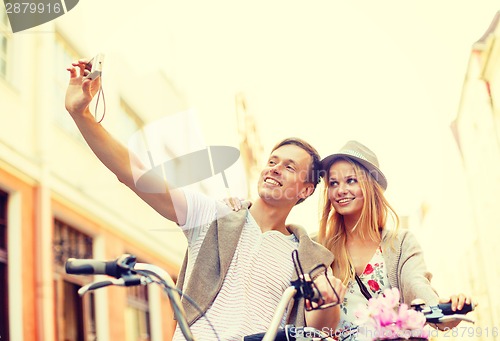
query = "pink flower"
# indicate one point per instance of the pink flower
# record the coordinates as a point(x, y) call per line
point(368, 269)
point(387, 316)
point(375, 306)
point(391, 297)
point(410, 319)
point(384, 318)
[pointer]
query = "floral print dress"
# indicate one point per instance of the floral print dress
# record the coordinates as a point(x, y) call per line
point(375, 279)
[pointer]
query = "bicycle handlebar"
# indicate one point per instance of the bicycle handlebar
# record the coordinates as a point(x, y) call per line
point(433, 314)
point(91, 267)
point(129, 273)
point(115, 268)
point(446, 309)
point(442, 312)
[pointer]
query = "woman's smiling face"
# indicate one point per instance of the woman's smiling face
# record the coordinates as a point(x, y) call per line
point(344, 190)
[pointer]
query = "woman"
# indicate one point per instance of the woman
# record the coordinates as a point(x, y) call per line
point(369, 257)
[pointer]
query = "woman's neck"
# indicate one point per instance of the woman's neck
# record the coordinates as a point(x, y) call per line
point(362, 235)
point(351, 225)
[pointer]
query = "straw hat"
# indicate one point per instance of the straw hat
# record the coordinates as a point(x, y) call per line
point(357, 152)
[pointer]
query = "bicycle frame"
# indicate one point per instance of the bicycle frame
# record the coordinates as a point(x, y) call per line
point(286, 298)
point(172, 293)
point(303, 287)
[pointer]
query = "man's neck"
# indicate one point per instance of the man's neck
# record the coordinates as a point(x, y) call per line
point(270, 217)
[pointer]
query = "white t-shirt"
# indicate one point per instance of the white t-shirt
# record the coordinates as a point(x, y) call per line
point(261, 269)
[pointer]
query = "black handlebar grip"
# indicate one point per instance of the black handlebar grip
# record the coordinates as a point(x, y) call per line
point(91, 267)
point(446, 309)
point(316, 295)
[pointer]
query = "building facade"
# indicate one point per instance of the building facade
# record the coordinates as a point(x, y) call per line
point(477, 133)
point(58, 201)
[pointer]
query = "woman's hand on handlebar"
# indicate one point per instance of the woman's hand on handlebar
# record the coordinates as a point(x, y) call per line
point(457, 303)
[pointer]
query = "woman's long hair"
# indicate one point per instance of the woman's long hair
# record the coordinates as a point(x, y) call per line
point(332, 231)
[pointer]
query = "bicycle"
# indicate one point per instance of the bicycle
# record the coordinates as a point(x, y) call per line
point(440, 313)
point(127, 272)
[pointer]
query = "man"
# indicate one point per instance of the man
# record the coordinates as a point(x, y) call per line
point(237, 264)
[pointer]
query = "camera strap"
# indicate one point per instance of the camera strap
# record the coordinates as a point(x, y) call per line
point(99, 92)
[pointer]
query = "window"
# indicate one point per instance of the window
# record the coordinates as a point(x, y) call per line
point(75, 315)
point(64, 55)
point(5, 37)
point(4, 303)
point(137, 314)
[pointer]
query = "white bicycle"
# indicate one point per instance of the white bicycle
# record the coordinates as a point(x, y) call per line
point(124, 271)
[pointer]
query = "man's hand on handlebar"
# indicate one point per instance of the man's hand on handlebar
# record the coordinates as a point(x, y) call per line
point(329, 318)
point(326, 291)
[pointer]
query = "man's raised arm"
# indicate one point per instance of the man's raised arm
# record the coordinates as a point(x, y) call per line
point(111, 152)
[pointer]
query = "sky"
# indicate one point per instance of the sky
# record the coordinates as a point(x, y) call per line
point(386, 73)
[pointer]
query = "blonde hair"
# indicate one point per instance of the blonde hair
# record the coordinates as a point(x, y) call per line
point(332, 231)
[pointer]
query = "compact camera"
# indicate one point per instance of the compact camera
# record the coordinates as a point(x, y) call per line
point(94, 67)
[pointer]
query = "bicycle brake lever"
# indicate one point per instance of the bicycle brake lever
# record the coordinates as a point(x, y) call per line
point(455, 317)
point(100, 284)
point(124, 282)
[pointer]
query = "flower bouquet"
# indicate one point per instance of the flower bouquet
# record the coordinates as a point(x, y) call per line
point(385, 319)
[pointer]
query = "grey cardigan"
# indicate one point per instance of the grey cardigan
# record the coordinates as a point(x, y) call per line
point(406, 267)
point(215, 256)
